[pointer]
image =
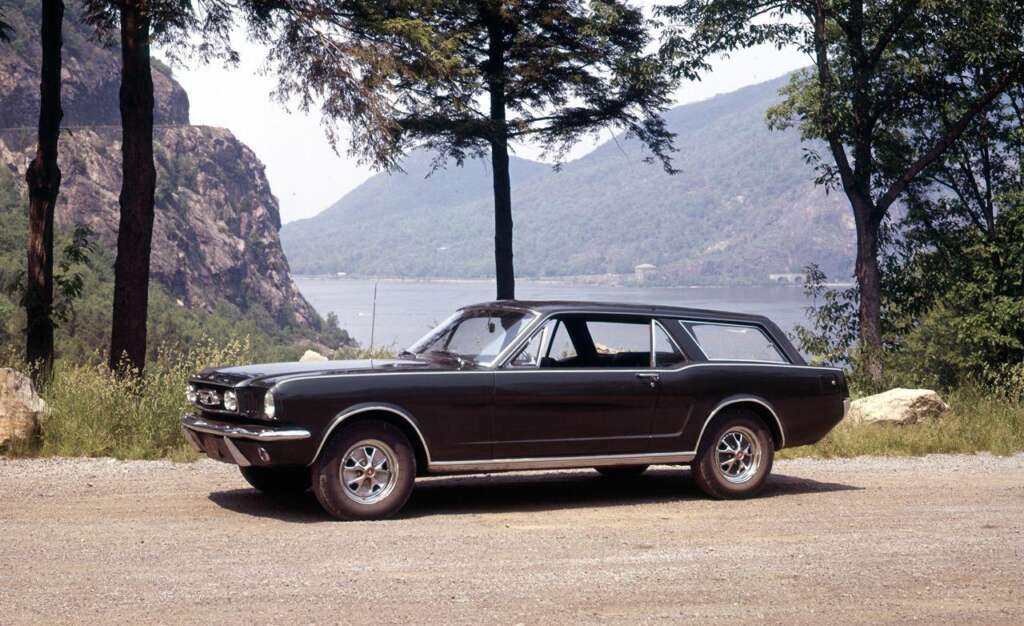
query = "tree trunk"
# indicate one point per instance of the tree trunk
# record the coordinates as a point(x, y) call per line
point(135, 233)
point(503, 258)
point(869, 283)
point(503, 261)
point(43, 179)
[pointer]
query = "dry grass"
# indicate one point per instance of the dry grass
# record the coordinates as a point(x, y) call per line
point(94, 412)
point(977, 422)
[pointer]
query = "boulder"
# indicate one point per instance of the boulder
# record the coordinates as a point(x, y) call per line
point(21, 408)
point(898, 406)
point(312, 355)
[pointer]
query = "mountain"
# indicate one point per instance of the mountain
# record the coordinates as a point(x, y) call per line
point(744, 205)
point(215, 235)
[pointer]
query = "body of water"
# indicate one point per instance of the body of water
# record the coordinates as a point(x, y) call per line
point(407, 309)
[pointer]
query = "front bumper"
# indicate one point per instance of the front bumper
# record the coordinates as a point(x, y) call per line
point(247, 444)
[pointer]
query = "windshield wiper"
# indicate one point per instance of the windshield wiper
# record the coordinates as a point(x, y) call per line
point(405, 353)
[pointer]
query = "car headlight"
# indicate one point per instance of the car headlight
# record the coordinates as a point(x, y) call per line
point(230, 401)
point(268, 404)
point(190, 394)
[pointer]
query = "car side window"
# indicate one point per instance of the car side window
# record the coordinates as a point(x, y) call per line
point(734, 342)
point(666, 354)
point(561, 350)
point(620, 344)
point(530, 355)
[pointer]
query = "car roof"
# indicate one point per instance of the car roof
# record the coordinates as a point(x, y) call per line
point(547, 307)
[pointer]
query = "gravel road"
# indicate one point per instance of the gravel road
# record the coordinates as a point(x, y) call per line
point(938, 539)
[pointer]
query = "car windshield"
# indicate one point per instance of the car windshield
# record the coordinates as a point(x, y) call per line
point(477, 335)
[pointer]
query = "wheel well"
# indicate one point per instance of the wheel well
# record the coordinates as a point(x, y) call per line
point(418, 446)
point(762, 412)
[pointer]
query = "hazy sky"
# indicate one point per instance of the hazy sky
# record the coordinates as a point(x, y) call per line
point(307, 176)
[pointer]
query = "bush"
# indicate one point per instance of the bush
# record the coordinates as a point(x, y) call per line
point(96, 413)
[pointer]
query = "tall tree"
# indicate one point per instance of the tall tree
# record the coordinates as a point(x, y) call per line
point(138, 186)
point(878, 67)
point(43, 178)
point(471, 78)
point(140, 21)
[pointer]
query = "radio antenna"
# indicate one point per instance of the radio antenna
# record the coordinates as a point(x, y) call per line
point(373, 317)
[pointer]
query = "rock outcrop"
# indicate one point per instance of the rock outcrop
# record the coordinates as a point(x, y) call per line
point(898, 406)
point(312, 356)
point(21, 408)
point(215, 235)
point(90, 80)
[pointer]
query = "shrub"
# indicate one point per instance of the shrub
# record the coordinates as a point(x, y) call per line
point(97, 413)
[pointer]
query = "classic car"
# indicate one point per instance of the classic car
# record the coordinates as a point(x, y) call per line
point(515, 385)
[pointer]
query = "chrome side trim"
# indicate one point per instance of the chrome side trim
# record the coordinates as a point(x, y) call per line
point(531, 370)
point(738, 400)
point(235, 431)
point(363, 408)
point(235, 453)
point(559, 462)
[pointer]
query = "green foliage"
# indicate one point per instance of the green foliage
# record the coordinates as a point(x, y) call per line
point(953, 316)
point(403, 75)
point(94, 412)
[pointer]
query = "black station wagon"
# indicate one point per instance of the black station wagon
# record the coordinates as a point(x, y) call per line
point(515, 385)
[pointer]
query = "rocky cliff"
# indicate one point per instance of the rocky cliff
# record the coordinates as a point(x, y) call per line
point(91, 76)
point(216, 230)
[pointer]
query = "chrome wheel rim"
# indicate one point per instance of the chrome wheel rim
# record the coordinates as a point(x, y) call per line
point(739, 455)
point(369, 471)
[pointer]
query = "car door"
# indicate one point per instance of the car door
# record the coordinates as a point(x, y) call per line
point(583, 385)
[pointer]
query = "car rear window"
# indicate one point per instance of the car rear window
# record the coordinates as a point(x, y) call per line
point(734, 342)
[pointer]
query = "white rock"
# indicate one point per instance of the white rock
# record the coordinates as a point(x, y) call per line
point(21, 408)
point(898, 406)
point(312, 355)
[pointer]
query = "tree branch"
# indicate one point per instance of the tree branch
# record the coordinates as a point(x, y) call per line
point(897, 23)
point(1014, 75)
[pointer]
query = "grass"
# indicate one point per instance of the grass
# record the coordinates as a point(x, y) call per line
point(977, 422)
point(94, 413)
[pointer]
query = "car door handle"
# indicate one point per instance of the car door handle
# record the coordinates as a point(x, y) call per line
point(652, 379)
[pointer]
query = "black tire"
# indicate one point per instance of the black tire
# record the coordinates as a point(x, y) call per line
point(278, 480)
point(359, 500)
point(722, 475)
point(621, 472)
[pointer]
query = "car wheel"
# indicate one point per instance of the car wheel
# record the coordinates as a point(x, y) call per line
point(622, 471)
point(366, 471)
point(735, 457)
point(277, 480)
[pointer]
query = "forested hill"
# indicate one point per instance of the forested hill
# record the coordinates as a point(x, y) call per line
point(743, 206)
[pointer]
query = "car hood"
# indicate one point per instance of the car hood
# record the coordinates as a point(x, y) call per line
point(268, 373)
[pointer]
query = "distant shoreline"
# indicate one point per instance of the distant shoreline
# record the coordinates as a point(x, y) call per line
point(600, 280)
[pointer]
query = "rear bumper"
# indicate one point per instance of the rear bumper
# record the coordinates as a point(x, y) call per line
point(246, 445)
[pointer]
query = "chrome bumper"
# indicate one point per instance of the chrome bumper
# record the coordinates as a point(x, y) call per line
point(235, 431)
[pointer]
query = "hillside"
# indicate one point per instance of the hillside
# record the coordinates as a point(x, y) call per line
point(743, 206)
point(215, 239)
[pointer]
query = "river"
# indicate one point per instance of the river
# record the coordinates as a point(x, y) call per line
point(407, 309)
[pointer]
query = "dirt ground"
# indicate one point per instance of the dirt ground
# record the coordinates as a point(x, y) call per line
point(931, 540)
